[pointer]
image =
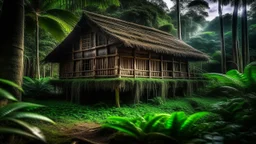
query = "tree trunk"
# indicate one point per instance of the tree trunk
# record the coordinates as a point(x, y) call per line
point(234, 35)
point(223, 50)
point(37, 49)
point(178, 19)
point(245, 43)
point(12, 42)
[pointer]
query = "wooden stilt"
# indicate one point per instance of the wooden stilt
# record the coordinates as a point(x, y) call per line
point(117, 92)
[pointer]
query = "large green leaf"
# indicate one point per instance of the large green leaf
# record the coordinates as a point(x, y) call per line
point(53, 26)
point(5, 94)
point(250, 73)
point(31, 116)
point(124, 125)
point(16, 131)
point(64, 15)
point(226, 80)
point(10, 83)
point(32, 129)
point(101, 4)
point(15, 106)
point(192, 120)
point(174, 122)
point(153, 124)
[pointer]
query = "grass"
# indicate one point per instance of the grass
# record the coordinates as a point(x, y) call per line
point(66, 112)
point(68, 115)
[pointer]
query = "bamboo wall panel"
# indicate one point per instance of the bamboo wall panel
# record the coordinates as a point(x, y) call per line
point(101, 52)
point(142, 68)
point(87, 41)
point(126, 66)
point(155, 68)
point(89, 54)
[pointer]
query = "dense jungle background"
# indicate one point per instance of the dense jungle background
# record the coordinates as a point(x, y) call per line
point(221, 111)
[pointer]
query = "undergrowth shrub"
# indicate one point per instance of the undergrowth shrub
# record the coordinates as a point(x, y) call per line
point(176, 127)
point(37, 88)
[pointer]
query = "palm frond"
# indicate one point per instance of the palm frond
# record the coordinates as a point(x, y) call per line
point(10, 83)
point(16, 106)
point(53, 26)
point(31, 116)
point(64, 15)
point(32, 129)
point(5, 94)
point(102, 4)
point(8, 130)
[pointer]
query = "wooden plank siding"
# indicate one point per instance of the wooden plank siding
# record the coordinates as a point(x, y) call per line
point(93, 55)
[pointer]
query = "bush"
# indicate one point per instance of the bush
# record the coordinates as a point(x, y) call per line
point(37, 87)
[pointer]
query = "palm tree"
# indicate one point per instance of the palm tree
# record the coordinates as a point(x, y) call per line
point(45, 15)
point(11, 42)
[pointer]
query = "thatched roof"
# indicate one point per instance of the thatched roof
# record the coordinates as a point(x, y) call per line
point(136, 36)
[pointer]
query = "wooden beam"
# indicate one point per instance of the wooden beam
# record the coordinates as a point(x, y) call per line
point(162, 73)
point(119, 66)
point(117, 97)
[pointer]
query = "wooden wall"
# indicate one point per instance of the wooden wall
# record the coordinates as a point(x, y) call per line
point(141, 63)
point(95, 55)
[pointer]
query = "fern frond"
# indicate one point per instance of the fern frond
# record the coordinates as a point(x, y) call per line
point(192, 120)
point(124, 125)
point(153, 124)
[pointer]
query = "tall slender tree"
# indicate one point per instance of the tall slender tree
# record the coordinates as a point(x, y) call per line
point(244, 28)
point(235, 50)
point(12, 42)
point(178, 19)
point(44, 14)
point(221, 3)
point(223, 50)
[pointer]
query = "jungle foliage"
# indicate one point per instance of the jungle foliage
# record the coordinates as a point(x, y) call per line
point(12, 119)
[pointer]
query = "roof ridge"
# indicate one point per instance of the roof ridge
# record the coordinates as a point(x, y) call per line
point(130, 23)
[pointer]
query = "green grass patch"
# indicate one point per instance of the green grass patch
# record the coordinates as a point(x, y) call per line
point(65, 112)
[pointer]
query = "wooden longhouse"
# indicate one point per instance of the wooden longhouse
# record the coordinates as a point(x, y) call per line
point(106, 47)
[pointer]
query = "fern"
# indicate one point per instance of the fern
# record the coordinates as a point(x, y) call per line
point(242, 81)
point(153, 124)
point(192, 120)
point(124, 125)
